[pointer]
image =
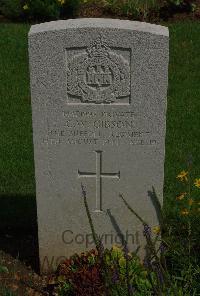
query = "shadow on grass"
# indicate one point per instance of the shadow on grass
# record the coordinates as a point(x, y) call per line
point(18, 228)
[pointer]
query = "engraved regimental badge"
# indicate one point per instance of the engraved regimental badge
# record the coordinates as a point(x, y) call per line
point(99, 75)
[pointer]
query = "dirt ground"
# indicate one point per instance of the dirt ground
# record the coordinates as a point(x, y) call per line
point(23, 280)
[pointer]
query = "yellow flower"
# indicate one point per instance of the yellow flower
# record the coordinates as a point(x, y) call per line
point(181, 196)
point(61, 2)
point(184, 212)
point(116, 248)
point(25, 7)
point(117, 251)
point(190, 201)
point(156, 229)
point(145, 273)
point(182, 176)
point(122, 262)
point(197, 183)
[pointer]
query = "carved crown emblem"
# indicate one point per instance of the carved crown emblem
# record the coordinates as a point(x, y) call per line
point(98, 75)
point(98, 48)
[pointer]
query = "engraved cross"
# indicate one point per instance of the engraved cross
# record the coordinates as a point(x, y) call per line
point(99, 175)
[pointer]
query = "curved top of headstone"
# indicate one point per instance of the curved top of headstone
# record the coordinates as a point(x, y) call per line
point(99, 23)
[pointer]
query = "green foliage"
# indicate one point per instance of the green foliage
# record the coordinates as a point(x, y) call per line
point(136, 9)
point(70, 8)
point(65, 288)
point(172, 7)
point(122, 271)
point(182, 233)
point(179, 2)
point(178, 268)
point(82, 274)
point(116, 261)
point(149, 9)
point(3, 269)
point(11, 8)
point(39, 10)
point(6, 292)
point(42, 9)
point(175, 2)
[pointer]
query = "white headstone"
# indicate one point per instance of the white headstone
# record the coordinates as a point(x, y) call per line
point(99, 89)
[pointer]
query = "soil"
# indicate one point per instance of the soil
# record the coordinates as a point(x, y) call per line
point(19, 259)
point(23, 280)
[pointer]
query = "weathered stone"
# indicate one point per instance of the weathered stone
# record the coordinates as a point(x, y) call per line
point(99, 89)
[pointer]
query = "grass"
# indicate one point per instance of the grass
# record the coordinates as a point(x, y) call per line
point(6, 292)
point(16, 147)
point(182, 137)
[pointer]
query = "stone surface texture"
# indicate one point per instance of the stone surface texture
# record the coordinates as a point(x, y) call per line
point(99, 94)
